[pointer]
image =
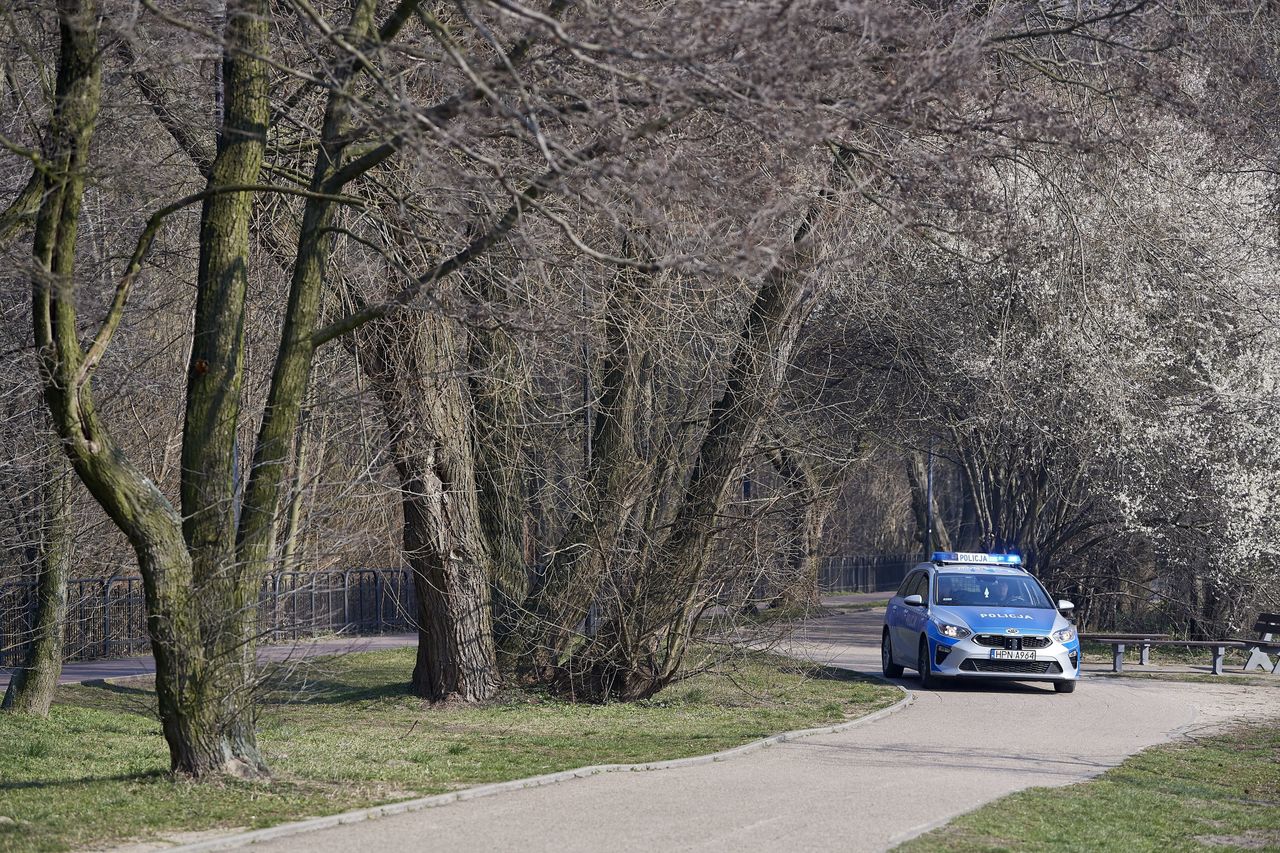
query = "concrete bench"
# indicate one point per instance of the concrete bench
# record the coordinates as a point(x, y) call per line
point(1119, 644)
point(1261, 649)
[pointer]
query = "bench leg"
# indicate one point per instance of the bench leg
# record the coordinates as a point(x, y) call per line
point(1117, 657)
point(1258, 658)
point(1219, 657)
point(1145, 659)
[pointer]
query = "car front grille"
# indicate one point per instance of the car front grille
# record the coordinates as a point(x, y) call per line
point(1019, 667)
point(1011, 641)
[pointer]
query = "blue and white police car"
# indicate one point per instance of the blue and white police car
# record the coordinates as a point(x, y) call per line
point(979, 616)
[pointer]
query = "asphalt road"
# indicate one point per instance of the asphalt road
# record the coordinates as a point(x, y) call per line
point(864, 789)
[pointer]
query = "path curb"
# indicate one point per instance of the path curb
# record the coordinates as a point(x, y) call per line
point(286, 830)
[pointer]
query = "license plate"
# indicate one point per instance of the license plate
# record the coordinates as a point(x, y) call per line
point(1002, 654)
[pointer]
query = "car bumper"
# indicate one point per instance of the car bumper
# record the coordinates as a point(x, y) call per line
point(967, 659)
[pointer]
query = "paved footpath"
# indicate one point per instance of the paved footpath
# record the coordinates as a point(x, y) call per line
point(867, 788)
point(78, 672)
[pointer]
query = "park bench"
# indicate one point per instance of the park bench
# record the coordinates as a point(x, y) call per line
point(1267, 644)
point(1119, 642)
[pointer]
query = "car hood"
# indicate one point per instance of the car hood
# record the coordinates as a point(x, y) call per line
point(982, 620)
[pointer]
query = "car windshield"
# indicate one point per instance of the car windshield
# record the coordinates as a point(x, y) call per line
point(961, 590)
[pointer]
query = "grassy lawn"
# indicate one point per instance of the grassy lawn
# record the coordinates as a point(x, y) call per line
point(1219, 793)
point(343, 733)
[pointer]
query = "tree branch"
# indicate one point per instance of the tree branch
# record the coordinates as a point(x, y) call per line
point(187, 140)
point(115, 312)
point(524, 199)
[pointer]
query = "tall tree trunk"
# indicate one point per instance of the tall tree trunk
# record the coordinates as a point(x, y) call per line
point(215, 374)
point(201, 589)
point(137, 507)
point(970, 533)
point(291, 374)
point(34, 681)
point(415, 365)
point(614, 487)
point(293, 515)
point(499, 386)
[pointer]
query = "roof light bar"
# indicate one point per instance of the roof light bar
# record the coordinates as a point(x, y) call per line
point(989, 559)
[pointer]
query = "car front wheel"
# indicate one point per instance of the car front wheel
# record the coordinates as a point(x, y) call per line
point(890, 669)
point(928, 680)
point(1065, 686)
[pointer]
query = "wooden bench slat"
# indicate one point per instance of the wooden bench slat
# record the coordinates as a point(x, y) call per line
point(1259, 648)
point(1219, 647)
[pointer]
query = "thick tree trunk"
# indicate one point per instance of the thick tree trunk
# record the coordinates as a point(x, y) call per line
point(642, 644)
point(970, 532)
point(415, 364)
point(34, 681)
point(200, 574)
point(614, 488)
point(499, 386)
point(132, 501)
point(215, 374)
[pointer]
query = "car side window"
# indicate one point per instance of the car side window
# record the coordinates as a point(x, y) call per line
point(921, 586)
point(903, 591)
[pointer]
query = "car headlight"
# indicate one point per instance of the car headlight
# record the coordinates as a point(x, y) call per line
point(953, 632)
point(1066, 635)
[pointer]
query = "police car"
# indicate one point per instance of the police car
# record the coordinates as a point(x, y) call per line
point(978, 616)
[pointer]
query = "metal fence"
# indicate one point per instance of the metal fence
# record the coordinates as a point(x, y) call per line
point(106, 617)
point(865, 572)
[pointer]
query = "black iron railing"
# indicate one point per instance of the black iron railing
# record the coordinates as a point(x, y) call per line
point(106, 617)
point(865, 572)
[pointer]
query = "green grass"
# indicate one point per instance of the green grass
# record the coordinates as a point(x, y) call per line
point(343, 733)
point(1219, 793)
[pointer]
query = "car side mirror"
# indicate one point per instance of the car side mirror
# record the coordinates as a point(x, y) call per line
point(913, 601)
point(1063, 604)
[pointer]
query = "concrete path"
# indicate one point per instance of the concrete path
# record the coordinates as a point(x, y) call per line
point(837, 599)
point(78, 672)
point(865, 789)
